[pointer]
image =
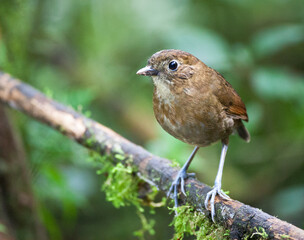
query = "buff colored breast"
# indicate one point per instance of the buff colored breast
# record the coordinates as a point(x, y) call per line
point(193, 123)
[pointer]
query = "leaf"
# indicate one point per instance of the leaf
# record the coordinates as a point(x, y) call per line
point(274, 83)
point(274, 39)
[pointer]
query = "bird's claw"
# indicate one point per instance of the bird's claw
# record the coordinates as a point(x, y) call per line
point(179, 180)
point(211, 196)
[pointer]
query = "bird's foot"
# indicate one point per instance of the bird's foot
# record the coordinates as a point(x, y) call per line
point(211, 196)
point(179, 180)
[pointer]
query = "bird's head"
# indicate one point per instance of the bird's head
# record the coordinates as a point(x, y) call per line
point(170, 67)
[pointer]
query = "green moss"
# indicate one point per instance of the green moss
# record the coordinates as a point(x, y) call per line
point(118, 150)
point(226, 192)
point(187, 221)
point(48, 92)
point(119, 156)
point(284, 236)
point(157, 179)
point(152, 194)
point(90, 141)
point(260, 232)
point(86, 113)
point(147, 226)
point(174, 164)
point(121, 186)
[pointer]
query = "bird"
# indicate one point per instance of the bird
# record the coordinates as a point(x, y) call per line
point(195, 104)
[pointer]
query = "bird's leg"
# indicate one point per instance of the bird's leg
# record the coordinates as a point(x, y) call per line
point(180, 178)
point(217, 184)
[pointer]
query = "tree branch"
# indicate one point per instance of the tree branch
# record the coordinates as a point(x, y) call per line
point(234, 215)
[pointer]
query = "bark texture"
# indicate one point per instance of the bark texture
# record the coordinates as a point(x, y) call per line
point(241, 219)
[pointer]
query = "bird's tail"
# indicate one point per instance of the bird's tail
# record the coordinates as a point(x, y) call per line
point(243, 132)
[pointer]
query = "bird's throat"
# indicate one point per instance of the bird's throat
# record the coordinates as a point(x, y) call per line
point(163, 90)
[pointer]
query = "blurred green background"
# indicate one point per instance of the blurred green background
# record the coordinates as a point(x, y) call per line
point(86, 53)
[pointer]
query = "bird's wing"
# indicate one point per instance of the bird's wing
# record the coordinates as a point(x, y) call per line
point(231, 101)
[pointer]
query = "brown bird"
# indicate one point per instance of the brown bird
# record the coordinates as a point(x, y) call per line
point(196, 105)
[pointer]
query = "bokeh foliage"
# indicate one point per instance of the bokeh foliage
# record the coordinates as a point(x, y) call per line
point(85, 54)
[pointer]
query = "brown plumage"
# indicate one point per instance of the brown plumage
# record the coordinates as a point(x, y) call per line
point(195, 104)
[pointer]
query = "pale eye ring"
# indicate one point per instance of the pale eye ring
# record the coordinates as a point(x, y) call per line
point(173, 65)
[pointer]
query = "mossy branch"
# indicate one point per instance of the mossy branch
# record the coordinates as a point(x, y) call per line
point(235, 216)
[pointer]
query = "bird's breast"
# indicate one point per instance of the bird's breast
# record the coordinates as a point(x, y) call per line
point(197, 123)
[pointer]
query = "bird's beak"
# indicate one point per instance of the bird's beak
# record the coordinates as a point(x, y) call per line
point(147, 71)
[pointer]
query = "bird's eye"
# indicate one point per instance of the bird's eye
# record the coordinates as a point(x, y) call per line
point(173, 65)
